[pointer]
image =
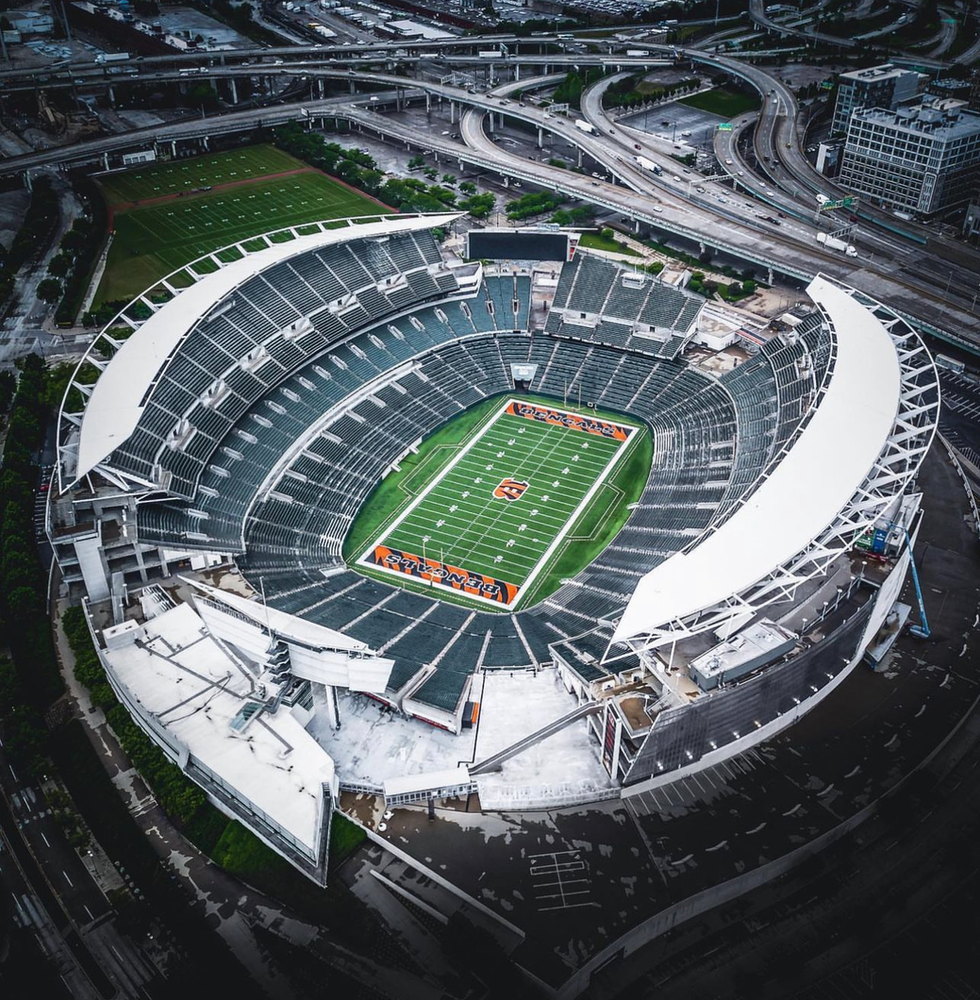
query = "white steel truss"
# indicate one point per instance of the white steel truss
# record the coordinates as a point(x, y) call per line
point(879, 492)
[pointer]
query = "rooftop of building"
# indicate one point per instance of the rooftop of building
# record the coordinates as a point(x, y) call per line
point(886, 71)
point(945, 117)
point(207, 702)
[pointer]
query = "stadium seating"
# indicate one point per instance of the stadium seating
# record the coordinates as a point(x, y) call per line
point(278, 473)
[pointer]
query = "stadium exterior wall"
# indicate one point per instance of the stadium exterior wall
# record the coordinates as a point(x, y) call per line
point(872, 614)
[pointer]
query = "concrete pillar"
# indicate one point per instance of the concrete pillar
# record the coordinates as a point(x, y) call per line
point(105, 161)
point(233, 89)
point(578, 153)
point(540, 137)
point(517, 71)
point(352, 87)
point(428, 103)
point(701, 246)
point(461, 167)
point(112, 97)
point(320, 87)
point(771, 278)
point(173, 149)
point(452, 112)
point(636, 227)
point(490, 128)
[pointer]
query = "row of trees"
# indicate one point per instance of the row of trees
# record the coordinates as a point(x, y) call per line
point(624, 93)
point(29, 680)
point(534, 203)
point(77, 252)
point(39, 223)
point(352, 166)
point(359, 169)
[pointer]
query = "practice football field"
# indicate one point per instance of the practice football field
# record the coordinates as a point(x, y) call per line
point(152, 240)
point(492, 518)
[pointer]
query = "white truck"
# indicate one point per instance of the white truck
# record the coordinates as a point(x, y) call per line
point(585, 126)
point(110, 57)
point(648, 164)
point(832, 243)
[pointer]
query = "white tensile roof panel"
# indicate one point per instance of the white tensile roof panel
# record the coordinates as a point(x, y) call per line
point(284, 624)
point(117, 401)
point(810, 486)
point(187, 682)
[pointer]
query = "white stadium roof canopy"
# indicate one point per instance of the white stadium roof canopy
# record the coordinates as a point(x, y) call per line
point(118, 398)
point(804, 493)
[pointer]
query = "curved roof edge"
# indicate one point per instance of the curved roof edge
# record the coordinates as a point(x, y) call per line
point(805, 492)
point(117, 399)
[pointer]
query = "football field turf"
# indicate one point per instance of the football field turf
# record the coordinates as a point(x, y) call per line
point(152, 240)
point(490, 522)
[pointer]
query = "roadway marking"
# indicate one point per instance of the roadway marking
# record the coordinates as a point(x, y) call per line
point(45, 839)
point(88, 911)
point(68, 880)
point(561, 880)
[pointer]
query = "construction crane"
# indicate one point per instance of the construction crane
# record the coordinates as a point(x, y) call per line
point(922, 630)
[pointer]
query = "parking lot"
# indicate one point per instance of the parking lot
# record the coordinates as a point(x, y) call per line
point(679, 119)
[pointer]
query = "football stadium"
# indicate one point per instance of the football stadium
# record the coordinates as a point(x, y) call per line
point(353, 516)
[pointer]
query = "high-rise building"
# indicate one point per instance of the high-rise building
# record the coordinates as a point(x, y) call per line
point(884, 86)
point(920, 159)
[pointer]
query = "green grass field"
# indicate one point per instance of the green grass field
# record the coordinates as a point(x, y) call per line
point(725, 103)
point(476, 541)
point(154, 240)
point(158, 180)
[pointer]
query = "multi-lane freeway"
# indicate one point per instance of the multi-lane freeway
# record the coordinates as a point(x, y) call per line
point(889, 266)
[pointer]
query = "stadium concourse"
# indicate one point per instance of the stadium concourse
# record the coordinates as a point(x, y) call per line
point(245, 409)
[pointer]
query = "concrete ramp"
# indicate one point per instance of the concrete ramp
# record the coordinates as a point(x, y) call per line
point(494, 763)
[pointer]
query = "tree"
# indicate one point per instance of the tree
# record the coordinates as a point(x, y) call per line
point(49, 290)
point(448, 179)
point(467, 187)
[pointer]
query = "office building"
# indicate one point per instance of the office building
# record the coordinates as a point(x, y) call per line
point(920, 159)
point(884, 86)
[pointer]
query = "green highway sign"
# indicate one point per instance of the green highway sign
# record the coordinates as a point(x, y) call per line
point(846, 202)
point(827, 85)
point(724, 126)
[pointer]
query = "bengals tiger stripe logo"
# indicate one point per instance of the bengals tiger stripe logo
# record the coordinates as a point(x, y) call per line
point(510, 489)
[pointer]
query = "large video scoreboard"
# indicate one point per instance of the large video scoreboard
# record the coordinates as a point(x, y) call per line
point(520, 244)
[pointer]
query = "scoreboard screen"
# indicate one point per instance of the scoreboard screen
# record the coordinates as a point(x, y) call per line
point(518, 244)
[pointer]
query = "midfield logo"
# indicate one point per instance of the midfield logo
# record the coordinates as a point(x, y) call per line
point(510, 489)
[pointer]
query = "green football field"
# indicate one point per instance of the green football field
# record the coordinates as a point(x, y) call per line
point(493, 518)
point(158, 180)
point(151, 241)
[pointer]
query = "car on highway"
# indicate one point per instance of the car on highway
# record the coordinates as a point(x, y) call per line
point(636, 145)
point(658, 208)
point(728, 162)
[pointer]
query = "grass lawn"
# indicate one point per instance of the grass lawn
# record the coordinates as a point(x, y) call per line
point(152, 241)
point(158, 180)
point(444, 504)
point(726, 103)
point(598, 242)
